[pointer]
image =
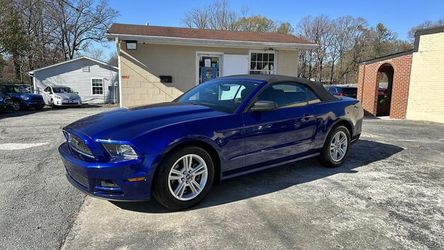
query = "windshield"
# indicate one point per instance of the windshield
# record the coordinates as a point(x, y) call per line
point(20, 89)
point(62, 90)
point(224, 95)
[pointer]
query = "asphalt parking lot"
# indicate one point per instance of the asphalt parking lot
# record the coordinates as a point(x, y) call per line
point(389, 194)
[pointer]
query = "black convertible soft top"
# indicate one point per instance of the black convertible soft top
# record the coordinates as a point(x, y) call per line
point(270, 79)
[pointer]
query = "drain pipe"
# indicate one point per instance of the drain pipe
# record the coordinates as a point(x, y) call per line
point(362, 86)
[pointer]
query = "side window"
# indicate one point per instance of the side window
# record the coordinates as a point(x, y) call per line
point(48, 90)
point(97, 86)
point(311, 96)
point(289, 95)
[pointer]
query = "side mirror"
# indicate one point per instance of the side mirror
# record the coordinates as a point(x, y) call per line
point(261, 106)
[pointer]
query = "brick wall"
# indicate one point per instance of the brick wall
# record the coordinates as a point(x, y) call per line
point(368, 85)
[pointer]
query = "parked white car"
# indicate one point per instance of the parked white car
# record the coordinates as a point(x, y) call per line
point(59, 95)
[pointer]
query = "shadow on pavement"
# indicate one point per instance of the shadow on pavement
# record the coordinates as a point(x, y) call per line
point(362, 153)
point(11, 113)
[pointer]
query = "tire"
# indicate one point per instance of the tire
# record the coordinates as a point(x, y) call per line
point(170, 176)
point(16, 106)
point(334, 157)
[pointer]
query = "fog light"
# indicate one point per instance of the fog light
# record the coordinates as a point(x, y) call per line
point(136, 179)
point(108, 183)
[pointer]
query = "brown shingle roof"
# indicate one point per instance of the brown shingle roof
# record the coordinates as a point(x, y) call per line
point(163, 31)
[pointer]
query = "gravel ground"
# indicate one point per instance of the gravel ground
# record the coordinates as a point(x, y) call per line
point(37, 204)
point(389, 194)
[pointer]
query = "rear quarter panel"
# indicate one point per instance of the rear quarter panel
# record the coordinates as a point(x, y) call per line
point(331, 113)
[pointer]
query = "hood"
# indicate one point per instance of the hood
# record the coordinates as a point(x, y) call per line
point(68, 96)
point(30, 95)
point(126, 124)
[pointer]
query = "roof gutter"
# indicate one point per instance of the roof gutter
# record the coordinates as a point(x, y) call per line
point(69, 61)
point(210, 42)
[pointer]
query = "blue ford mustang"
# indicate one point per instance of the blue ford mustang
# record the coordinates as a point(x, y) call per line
point(220, 129)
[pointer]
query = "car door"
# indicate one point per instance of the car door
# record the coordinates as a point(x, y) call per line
point(281, 134)
point(47, 92)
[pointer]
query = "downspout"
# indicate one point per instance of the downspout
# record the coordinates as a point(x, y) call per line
point(362, 88)
point(119, 72)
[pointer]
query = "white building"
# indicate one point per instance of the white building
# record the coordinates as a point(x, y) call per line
point(94, 80)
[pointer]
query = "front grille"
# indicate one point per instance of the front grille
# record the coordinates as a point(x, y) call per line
point(78, 145)
point(82, 180)
point(70, 103)
point(36, 98)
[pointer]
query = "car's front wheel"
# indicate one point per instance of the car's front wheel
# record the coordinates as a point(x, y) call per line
point(184, 178)
point(336, 147)
point(16, 106)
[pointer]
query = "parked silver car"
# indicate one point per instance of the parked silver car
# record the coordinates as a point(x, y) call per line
point(59, 95)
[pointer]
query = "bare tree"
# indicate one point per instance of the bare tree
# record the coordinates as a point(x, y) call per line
point(219, 16)
point(95, 52)
point(43, 49)
point(37, 33)
point(424, 25)
point(113, 60)
point(216, 16)
point(319, 30)
point(197, 18)
point(346, 32)
point(80, 22)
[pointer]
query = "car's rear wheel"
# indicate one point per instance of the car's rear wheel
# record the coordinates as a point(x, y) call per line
point(184, 178)
point(336, 147)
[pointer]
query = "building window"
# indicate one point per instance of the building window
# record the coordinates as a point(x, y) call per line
point(97, 86)
point(85, 67)
point(262, 63)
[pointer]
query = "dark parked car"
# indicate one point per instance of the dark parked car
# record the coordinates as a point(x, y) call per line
point(5, 101)
point(343, 91)
point(21, 97)
point(220, 129)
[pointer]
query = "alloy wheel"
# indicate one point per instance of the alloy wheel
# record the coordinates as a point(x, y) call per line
point(16, 106)
point(338, 146)
point(188, 177)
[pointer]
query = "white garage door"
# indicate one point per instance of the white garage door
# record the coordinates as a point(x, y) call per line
point(235, 65)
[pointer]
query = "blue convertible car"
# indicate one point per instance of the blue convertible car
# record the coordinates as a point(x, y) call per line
point(222, 128)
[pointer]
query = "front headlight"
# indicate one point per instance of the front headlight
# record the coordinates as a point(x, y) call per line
point(25, 98)
point(120, 151)
point(57, 97)
point(1, 99)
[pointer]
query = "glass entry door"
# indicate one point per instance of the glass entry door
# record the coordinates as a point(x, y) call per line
point(209, 67)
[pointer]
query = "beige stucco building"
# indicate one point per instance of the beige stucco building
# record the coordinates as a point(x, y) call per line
point(426, 95)
point(157, 64)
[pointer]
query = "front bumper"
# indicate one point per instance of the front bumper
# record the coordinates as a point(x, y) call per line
point(67, 103)
point(88, 177)
point(33, 103)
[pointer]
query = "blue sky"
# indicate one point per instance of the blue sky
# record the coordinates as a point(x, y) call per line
point(399, 16)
